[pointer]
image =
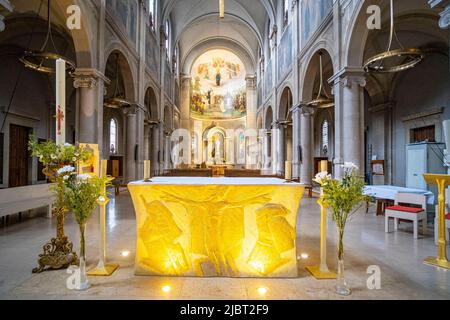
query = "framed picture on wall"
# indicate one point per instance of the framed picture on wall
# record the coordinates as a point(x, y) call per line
point(378, 167)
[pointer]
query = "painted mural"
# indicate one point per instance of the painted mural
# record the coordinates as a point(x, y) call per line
point(285, 53)
point(218, 88)
point(313, 11)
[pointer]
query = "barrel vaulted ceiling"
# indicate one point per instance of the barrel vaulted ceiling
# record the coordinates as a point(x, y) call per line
point(196, 26)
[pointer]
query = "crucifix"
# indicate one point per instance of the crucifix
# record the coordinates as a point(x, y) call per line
point(60, 101)
point(222, 8)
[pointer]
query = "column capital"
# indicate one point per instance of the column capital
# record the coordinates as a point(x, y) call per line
point(306, 111)
point(349, 76)
point(5, 5)
point(251, 81)
point(88, 78)
point(444, 22)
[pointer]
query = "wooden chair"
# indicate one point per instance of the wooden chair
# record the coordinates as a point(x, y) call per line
point(401, 210)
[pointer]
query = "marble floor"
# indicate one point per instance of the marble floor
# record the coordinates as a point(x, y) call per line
point(398, 255)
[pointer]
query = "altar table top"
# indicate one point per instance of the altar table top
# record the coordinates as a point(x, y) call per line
point(389, 192)
point(193, 181)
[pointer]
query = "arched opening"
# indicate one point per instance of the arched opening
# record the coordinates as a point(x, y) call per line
point(268, 152)
point(20, 116)
point(285, 129)
point(401, 113)
point(151, 130)
point(120, 88)
point(317, 86)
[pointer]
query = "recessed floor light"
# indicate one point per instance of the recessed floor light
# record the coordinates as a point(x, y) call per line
point(166, 289)
point(262, 291)
point(305, 256)
point(125, 253)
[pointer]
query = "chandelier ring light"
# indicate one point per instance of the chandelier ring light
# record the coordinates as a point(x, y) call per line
point(42, 60)
point(412, 56)
point(322, 101)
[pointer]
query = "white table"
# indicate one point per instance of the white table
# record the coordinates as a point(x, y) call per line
point(382, 193)
point(389, 192)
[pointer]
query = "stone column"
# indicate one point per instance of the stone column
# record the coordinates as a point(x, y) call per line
point(267, 136)
point(349, 118)
point(147, 142)
point(353, 133)
point(131, 144)
point(296, 130)
point(167, 151)
point(274, 137)
point(306, 168)
point(251, 136)
point(155, 149)
point(185, 121)
point(90, 84)
point(281, 142)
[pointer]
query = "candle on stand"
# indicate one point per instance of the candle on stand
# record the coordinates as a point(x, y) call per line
point(288, 170)
point(60, 101)
point(147, 169)
point(104, 169)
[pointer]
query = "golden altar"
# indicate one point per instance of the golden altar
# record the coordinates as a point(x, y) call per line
point(231, 227)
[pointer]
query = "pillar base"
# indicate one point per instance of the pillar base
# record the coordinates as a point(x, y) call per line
point(436, 262)
point(103, 271)
point(321, 275)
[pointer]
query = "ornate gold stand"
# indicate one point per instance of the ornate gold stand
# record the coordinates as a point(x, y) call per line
point(322, 272)
point(442, 181)
point(102, 268)
point(58, 253)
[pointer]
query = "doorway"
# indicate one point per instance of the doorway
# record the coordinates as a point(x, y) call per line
point(18, 156)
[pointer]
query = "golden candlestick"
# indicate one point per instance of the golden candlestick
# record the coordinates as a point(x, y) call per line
point(147, 171)
point(322, 272)
point(103, 269)
point(442, 181)
point(288, 171)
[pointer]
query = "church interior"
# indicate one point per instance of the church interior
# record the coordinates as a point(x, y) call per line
point(213, 120)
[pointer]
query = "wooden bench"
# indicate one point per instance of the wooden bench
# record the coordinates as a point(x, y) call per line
point(189, 173)
point(18, 200)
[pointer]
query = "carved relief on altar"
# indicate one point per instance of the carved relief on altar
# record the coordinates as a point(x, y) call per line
point(216, 231)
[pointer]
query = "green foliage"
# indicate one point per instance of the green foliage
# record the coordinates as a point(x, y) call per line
point(52, 155)
point(344, 196)
point(81, 195)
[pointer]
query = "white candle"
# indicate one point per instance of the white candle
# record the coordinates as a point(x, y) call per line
point(288, 170)
point(147, 169)
point(324, 166)
point(104, 169)
point(60, 102)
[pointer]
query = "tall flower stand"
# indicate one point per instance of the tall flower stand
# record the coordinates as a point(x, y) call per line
point(103, 269)
point(442, 181)
point(322, 272)
point(58, 253)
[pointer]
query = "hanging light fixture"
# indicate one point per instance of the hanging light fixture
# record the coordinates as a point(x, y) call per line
point(411, 57)
point(322, 101)
point(118, 100)
point(42, 60)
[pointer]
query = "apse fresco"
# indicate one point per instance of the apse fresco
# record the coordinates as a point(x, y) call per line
point(218, 88)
